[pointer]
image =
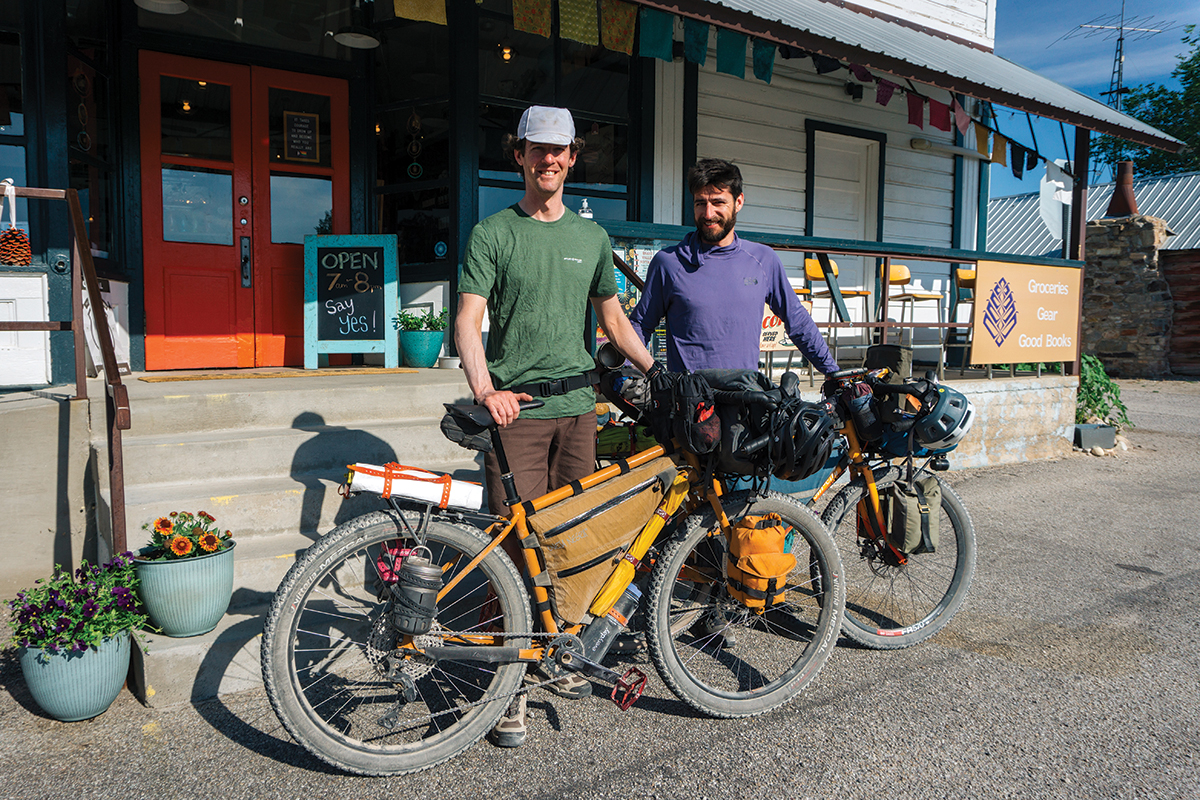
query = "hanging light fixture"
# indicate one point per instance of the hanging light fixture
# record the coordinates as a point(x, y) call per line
point(355, 35)
point(162, 6)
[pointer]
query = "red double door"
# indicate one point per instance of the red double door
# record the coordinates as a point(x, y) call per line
point(238, 164)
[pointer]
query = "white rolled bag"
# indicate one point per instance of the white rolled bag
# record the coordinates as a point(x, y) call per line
point(414, 483)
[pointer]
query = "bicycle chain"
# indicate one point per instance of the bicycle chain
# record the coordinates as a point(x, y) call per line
point(568, 638)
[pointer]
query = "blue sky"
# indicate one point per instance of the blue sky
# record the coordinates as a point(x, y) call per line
point(1026, 31)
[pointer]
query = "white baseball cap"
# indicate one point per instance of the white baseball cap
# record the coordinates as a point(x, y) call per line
point(546, 125)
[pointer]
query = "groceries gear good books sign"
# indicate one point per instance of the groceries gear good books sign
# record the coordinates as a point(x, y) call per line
point(1025, 313)
point(350, 296)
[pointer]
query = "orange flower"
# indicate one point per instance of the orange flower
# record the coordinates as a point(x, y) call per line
point(181, 545)
point(209, 542)
point(163, 525)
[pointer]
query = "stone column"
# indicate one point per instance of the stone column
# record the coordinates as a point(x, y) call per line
point(1126, 301)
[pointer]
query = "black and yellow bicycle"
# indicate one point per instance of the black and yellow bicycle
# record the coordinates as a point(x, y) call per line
point(399, 638)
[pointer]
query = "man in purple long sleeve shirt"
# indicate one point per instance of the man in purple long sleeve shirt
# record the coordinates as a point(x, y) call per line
point(711, 287)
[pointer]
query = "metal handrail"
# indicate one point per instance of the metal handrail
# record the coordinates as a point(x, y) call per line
point(83, 273)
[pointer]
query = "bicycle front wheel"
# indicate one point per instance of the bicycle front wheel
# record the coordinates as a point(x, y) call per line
point(349, 688)
point(891, 606)
point(722, 658)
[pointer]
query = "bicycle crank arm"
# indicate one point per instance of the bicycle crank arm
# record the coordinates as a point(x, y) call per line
point(483, 654)
point(578, 663)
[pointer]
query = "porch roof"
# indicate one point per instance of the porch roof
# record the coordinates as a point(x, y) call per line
point(887, 44)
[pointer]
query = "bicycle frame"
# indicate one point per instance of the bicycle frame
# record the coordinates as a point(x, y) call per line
point(685, 488)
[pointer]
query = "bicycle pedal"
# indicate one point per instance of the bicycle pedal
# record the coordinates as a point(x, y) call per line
point(629, 688)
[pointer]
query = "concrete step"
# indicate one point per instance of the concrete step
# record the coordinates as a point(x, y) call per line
point(262, 507)
point(169, 672)
point(281, 451)
point(187, 407)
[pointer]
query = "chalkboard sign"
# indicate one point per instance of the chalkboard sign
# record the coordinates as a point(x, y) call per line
point(350, 296)
point(350, 293)
point(301, 139)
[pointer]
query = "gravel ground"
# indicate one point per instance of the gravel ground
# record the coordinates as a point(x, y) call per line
point(1071, 672)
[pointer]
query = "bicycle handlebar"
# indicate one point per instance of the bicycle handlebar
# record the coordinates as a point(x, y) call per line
point(744, 396)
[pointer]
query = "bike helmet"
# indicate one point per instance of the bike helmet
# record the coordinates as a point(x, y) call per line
point(943, 427)
point(802, 439)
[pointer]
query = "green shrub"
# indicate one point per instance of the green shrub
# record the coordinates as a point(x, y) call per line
point(1099, 396)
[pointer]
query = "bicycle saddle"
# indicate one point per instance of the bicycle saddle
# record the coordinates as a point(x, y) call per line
point(479, 415)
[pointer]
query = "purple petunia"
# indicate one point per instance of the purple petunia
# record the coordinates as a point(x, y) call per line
point(89, 609)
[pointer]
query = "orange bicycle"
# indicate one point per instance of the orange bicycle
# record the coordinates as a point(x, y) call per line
point(896, 599)
point(399, 638)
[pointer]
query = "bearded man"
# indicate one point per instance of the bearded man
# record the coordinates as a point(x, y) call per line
point(711, 287)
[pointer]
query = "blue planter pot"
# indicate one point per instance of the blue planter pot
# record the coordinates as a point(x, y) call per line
point(75, 686)
point(186, 597)
point(421, 348)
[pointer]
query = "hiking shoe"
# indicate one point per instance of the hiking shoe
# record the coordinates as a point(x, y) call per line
point(511, 730)
point(570, 686)
point(718, 629)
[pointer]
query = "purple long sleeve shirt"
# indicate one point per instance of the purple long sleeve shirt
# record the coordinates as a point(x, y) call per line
point(712, 298)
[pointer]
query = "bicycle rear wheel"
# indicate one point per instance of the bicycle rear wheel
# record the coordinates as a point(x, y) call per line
point(715, 654)
point(334, 667)
point(888, 606)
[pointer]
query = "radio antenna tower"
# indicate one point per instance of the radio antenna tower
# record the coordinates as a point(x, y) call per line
point(1107, 27)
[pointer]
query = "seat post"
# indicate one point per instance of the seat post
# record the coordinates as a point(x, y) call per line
point(511, 498)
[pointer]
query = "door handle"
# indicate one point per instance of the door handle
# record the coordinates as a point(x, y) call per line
point(245, 262)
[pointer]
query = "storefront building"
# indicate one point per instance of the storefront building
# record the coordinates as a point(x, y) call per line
point(206, 138)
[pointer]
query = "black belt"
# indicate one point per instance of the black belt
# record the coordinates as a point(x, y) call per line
point(556, 386)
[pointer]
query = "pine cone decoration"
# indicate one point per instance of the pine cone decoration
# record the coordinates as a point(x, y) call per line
point(14, 248)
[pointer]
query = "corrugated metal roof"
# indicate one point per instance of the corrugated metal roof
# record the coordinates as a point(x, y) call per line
point(1014, 225)
point(892, 46)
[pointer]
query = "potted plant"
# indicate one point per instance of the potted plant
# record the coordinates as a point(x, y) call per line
point(186, 573)
point(421, 336)
point(72, 633)
point(1099, 411)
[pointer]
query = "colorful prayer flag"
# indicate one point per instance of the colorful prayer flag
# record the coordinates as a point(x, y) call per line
point(731, 52)
point(1018, 161)
point(657, 33)
point(695, 41)
point(962, 119)
point(884, 90)
point(426, 10)
point(531, 16)
point(826, 64)
point(764, 60)
point(617, 20)
point(1000, 151)
point(981, 140)
point(1031, 159)
point(939, 115)
point(916, 110)
point(577, 21)
point(862, 73)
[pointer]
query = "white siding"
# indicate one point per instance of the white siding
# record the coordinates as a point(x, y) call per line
point(668, 144)
point(972, 20)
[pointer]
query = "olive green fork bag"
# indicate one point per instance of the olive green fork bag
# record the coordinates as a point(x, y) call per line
point(915, 512)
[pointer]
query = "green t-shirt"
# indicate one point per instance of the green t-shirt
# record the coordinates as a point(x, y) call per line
point(537, 278)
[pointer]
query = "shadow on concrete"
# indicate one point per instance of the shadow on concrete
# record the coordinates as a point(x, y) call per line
point(326, 456)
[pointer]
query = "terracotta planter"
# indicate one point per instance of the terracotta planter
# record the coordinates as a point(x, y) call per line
point(187, 596)
point(74, 686)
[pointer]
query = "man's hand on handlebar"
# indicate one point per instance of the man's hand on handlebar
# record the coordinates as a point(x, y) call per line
point(504, 406)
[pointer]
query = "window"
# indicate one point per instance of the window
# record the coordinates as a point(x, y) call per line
point(518, 69)
point(12, 117)
point(412, 139)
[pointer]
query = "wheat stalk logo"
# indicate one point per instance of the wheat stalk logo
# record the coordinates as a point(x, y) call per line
point(1000, 316)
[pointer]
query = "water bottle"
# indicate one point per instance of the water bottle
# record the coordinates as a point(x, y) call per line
point(415, 594)
point(599, 636)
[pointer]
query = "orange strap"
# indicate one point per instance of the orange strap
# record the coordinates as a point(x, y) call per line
point(391, 472)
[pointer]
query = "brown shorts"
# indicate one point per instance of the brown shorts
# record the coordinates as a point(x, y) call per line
point(543, 455)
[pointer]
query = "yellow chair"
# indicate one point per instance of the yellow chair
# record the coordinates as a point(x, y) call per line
point(814, 274)
point(964, 281)
point(901, 277)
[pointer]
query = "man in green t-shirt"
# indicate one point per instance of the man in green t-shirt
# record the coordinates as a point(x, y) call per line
point(534, 267)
